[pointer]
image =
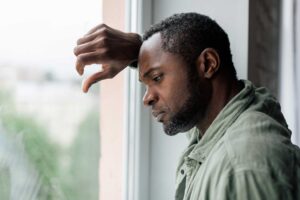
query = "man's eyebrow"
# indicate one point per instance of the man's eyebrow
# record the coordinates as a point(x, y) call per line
point(149, 72)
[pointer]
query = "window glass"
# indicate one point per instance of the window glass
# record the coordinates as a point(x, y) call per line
point(49, 129)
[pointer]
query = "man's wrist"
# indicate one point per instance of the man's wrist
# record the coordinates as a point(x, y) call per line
point(138, 43)
point(134, 64)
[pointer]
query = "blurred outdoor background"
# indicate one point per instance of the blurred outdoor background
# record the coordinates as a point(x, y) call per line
point(49, 129)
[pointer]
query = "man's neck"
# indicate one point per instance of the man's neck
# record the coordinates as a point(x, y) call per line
point(222, 93)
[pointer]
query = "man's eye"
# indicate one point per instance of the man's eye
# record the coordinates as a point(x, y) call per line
point(157, 78)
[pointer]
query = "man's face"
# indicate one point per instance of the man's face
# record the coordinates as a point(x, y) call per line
point(177, 98)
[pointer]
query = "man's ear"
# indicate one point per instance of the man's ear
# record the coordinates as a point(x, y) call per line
point(208, 62)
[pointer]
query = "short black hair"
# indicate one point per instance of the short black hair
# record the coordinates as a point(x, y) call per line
point(188, 34)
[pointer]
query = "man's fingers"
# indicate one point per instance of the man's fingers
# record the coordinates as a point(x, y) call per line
point(94, 79)
point(79, 67)
point(90, 46)
point(85, 59)
point(101, 32)
point(88, 38)
point(85, 48)
point(96, 28)
point(90, 58)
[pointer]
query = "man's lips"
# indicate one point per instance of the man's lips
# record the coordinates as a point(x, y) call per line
point(158, 115)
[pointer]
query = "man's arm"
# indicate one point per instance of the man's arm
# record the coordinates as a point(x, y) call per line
point(112, 48)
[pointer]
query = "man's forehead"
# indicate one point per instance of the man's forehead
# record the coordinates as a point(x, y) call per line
point(150, 47)
point(150, 54)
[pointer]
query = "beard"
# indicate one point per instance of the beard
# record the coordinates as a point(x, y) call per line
point(193, 109)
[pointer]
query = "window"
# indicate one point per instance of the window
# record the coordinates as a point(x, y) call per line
point(49, 130)
point(289, 93)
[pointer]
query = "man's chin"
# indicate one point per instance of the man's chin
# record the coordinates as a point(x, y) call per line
point(172, 129)
point(170, 133)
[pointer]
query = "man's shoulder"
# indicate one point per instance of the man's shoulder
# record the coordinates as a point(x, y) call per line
point(258, 141)
point(258, 124)
point(255, 152)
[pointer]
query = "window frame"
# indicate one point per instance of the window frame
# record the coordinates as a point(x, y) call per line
point(136, 157)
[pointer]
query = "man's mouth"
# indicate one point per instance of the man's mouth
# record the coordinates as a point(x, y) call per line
point(158, 115)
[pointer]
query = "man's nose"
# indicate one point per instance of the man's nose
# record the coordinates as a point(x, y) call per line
point(150, 98)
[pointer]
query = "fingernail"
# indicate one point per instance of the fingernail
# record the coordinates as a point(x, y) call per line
point(82, 85)
point(81, 71)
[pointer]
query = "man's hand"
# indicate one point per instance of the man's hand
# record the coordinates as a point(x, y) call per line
point(107, 46)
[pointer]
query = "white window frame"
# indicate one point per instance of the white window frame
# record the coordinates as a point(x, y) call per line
point(137, 129)
point(287, 65)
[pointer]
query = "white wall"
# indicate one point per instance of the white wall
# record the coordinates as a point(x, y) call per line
point(165, 150)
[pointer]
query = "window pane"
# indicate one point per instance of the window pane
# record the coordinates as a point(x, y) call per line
point(49, 129)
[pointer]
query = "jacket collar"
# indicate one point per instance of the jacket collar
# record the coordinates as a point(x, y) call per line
point(227, 116)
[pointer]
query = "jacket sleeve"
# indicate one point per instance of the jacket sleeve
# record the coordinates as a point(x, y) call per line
point(258, 185)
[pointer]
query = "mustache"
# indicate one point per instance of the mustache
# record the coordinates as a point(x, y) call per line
point(159, 108)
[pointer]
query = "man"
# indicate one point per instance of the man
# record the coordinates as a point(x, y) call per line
point(240, 144)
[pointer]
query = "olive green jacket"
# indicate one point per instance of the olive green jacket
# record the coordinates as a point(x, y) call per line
point(246, 153)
